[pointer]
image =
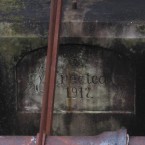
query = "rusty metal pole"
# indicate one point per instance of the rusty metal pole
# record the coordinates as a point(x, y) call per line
point(47, 73)
point(51, 92)
point(48, 98)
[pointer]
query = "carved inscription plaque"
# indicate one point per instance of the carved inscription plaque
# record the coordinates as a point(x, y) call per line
point(88, 80)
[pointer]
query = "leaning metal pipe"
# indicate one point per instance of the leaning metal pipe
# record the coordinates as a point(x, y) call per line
point(47, 73)
point(52, 80)
point(48, 98)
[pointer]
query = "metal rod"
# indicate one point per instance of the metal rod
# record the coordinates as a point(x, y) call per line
point(47, 73)
point(50, 77)
point(53, 69)
point(74, 4)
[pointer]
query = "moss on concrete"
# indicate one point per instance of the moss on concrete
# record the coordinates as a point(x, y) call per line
point(9, 5)
point(13, 48)
point(141, 29)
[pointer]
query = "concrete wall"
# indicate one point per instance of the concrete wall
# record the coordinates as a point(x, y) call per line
point(104, 25)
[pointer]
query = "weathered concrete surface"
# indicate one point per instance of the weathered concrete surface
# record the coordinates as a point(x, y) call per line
point(89, 80)
point(110, 24)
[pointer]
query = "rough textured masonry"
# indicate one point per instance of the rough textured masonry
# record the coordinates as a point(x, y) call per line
point(89, 80)
point(100, 74)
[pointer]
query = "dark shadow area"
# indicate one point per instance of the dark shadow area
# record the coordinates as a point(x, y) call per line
point(139, 126)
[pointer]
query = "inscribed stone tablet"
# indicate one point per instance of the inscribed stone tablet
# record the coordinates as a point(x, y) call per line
point(88, 80)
